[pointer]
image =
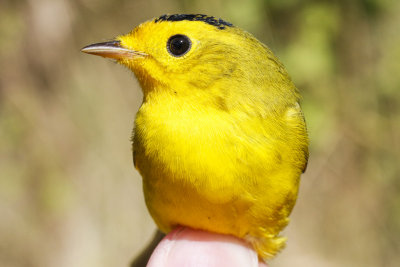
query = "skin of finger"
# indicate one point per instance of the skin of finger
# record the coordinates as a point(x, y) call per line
point(188, 247)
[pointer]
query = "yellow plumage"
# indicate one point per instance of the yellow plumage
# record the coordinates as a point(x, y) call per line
point(220, 139)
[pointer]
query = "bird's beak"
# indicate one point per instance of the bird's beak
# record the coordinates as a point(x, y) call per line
point(112, 49)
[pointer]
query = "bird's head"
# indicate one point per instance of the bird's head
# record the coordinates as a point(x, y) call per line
point(182, 53)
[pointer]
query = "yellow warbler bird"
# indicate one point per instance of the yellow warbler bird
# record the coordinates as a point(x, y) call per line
point(220, 139)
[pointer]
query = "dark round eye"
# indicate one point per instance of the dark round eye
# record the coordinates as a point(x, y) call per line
point(178, 45)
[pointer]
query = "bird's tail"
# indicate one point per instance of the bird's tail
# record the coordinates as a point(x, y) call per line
point(267, 246)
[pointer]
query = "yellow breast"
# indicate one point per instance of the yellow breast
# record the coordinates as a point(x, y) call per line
point(213, 170)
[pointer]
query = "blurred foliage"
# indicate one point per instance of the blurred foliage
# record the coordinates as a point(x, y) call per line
point(69, 193)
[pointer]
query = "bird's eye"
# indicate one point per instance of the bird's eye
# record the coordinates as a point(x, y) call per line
point(178, 45)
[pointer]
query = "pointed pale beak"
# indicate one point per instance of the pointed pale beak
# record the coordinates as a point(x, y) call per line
point(112, 49)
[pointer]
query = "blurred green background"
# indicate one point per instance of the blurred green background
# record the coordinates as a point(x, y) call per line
point(69, 195)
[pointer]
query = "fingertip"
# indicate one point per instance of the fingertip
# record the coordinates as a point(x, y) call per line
point(188, 247)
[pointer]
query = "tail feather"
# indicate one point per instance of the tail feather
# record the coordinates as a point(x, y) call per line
point(267, 246)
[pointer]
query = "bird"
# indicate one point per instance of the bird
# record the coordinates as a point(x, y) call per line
point(220, 139)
